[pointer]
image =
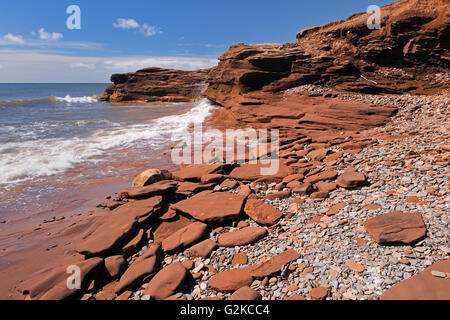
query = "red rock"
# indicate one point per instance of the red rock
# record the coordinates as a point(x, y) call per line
point(188, 264)
point(423, 286)
point(328, 174)
point(230, 184)
point(143, 268)
point(239, 258)
point(261, 212)
point(151, 176)
point(189, 188)
point(293, 177)
point(372, 207)
point(319, 195)
point(165, 229)
point(166, 282)
point(355, 266)
point(51, 284)
point(195, 172)
point(396, 227)
point(212, 178)
point(274, 264)
point(203, 249)
point(213, 207)
point(351, 178)
point(278, 195)
point(326, 186)
point(412, 199)
point(156, 84)
point(231, 280)
point(115, 229)
point(184, 237)
point(133, 245)
point(304, 190)
point(333, 158)
point(318, 154)
point(254, 172)
point(115, 266)
point(244, 191)
point(242, 237)
point(161, 188)
point(295, 297)
point(319, 293)
point(246, 294)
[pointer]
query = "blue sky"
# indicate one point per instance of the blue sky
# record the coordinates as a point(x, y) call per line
point(123, 36)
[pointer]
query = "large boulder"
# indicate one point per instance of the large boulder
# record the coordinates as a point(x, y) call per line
point(112, 231)
point(242, 237)
point(151, 176)
point(212, 207)
point(141, 269)
point(261, 212)
point(396, 227)
point(184, 237)
point(423, 286)
point(166, 282)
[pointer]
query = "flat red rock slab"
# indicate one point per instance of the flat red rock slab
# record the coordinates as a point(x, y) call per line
point(195, 172)
point(52, 284)
point(115, 229)
point(351, 179)
point(261, 212)
point(166, 282)
point(274, 264)
point(184, 237)
point(319, 293)
point(246, 294)
point(396, 227)
point(166, 228)
point(295, 297)
point(423, 286)
point(231, 280)
point(143, 267)
point(189, 188)
point(325, 175)
point(212, 207)
point(242, 237)
point(203, 249)
point(159, 188)
point(253, 172)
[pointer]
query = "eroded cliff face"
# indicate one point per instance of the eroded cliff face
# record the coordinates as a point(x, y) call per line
point(408, 54)
point(403, 56)
point(156, 85)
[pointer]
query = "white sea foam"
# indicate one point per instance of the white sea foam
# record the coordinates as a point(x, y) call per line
point(69, 99)
point(29, 159)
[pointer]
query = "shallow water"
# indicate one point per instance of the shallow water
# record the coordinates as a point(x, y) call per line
point(59, 144)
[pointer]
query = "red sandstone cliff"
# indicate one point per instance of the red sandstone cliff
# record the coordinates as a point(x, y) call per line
point(156, 85)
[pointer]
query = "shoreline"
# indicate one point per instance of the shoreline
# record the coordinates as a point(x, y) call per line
point(68, 253)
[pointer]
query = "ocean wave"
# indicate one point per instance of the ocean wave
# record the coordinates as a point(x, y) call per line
point(67, 99)
point(21, 161)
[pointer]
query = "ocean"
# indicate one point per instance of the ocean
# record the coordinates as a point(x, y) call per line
point(60, 145)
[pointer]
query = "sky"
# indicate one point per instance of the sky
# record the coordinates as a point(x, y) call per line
point(37, 45)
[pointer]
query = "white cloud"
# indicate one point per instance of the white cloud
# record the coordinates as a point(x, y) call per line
point(41, 66)
point(1, 66)
point(10, 38)
point(126, 24)
point(44, 35)
point(150, 31)
point(146, 29)
point(81, 65)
